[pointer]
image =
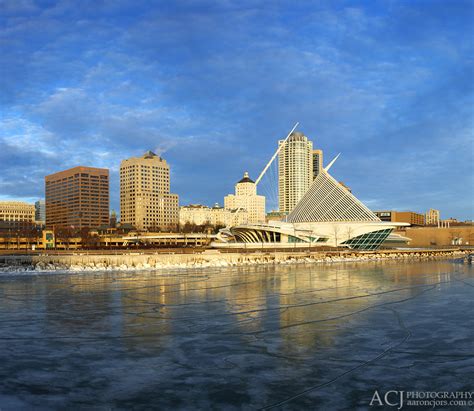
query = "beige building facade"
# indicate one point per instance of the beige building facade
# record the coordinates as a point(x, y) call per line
point(201, 215)
point(145, 198)
point(16, 214)
point(246, 198)
point(295, 170)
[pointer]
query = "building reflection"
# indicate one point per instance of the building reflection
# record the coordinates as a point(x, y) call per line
point(301, 307)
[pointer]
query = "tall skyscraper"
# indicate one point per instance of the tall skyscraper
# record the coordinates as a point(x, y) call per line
point(78, 198)
point(246, 198)
point(317, 162)
point(145, 198)
point(40, 212)
point(295, 170)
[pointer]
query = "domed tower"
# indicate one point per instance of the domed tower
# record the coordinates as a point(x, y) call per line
point(245, 186)
point(246, 198)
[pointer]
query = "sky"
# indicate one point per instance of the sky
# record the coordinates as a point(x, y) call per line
point(212, 85)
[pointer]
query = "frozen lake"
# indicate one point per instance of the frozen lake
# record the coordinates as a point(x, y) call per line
point(297, 337)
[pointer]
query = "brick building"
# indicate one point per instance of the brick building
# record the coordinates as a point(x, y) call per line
point(77, 198)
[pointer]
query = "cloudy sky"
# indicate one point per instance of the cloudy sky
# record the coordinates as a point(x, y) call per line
point(212, 85)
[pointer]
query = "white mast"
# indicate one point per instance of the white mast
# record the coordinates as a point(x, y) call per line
point(331, 163)
point(271, 161)
point(274, 155)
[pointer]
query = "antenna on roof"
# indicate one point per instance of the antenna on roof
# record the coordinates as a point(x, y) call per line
point(331, 163)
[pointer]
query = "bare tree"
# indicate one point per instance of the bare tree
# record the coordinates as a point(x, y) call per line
point(453, 235)
point(64, 234)
point(87, 239)
point(336, 230)
point(349, 232)
point(470, 236)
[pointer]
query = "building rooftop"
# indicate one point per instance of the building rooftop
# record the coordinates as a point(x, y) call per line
point(246, 179)
point(326, 200)
point(297, 136)
point(149, 154)
point(77, 169)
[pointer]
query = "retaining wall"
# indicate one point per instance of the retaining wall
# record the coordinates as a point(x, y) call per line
point(209, 259)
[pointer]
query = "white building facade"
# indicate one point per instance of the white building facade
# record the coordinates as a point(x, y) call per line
point(198, 214)
point(432, 217)
point(246, 198)
point(295, 170)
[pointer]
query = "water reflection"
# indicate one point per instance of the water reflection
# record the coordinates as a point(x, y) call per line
point(254, 333)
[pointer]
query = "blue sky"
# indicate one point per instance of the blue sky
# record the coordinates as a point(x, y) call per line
point(212, 85)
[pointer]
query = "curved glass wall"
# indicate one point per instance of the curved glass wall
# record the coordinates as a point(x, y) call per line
point(369, 241)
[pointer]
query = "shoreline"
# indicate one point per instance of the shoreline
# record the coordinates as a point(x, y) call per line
point(212, 259)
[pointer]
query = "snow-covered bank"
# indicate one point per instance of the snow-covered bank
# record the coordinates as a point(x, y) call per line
point(127, 262)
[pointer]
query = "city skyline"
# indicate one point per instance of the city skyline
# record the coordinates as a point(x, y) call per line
point(387, 85)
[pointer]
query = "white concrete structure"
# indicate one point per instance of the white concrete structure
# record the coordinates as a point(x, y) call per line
point(327, 214)
point(432, 217)
point(246, 198)
point(327, 200)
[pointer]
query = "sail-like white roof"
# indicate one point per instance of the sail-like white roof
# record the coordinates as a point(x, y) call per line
point(327, 200)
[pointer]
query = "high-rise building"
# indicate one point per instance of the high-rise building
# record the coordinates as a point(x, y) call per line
point(295, 170)
point(432, 217)
point(40, 212)
point(16, 215)
point(246, 198)
point(145, 198)
point(317, 162)
point(77, 198)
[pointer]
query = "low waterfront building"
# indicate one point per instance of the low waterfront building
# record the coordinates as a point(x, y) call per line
point(198, 214)
point(246, 198)
point(459, 235)
point(51, 240)
point(409, 217)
